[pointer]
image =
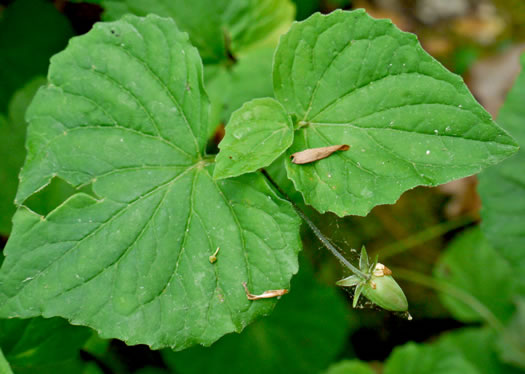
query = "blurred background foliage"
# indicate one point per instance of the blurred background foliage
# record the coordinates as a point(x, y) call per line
point(468, 310)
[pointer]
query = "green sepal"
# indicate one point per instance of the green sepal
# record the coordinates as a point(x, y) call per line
point(373, 264)
point(352, 280)
point(363, 260)
point(357, 293)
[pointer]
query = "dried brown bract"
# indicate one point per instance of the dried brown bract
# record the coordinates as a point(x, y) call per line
point(265, 295)
point(314, 154)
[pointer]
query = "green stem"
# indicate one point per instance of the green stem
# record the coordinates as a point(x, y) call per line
point(424, 236)
point(4, 365)
point(326, 242)
point(453, 291)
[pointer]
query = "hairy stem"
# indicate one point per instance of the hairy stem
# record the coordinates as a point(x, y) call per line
point(324, 240)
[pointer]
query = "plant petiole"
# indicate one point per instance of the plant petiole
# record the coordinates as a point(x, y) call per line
point(324, 240)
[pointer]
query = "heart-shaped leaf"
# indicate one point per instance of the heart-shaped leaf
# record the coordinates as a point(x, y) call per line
point(126, 112)
point(350, 79)
point(256, 135)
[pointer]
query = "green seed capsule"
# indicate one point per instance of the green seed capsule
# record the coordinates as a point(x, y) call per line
point(385, 292)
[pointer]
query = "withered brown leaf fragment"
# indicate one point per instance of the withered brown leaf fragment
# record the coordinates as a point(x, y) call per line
point(265, 295)
point(314, 154)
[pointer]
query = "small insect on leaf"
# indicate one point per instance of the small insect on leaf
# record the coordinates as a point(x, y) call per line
point(265, 295)
point(314, 154)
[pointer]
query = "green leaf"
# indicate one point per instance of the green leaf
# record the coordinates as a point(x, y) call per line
point(352, 280)
point(357, 293)
point(413, 358)
point(151, 370)
point(217, 28)
point(349, 367)
point(92, 368)
point(471, 265)
point(31, 31)
point(230, 87)
point(511, 343)
point(502, 187)
point(230, 80)
point(363, 260)
point(12, 155)
point(40, 345)
point(5, 368)
point(305, 8)
point(256, 135)
point(96, 346)
point(476, 345)
point(125, 112)
point(306, 331)
point(350, 79)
